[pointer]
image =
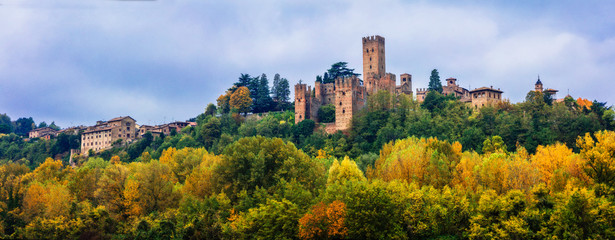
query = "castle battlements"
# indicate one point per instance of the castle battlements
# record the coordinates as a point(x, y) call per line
point(373, 39)
point(349, 94)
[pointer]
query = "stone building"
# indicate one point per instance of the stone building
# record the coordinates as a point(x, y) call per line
point(485, 96)
point(165, 129)
point(451, 87)
point(349, 94)
point(45, 132)
point(102, 135)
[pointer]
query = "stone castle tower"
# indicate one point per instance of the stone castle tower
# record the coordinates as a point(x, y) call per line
point(349, 94)
point(374, 66)
point(350, 97)
point(373, 56)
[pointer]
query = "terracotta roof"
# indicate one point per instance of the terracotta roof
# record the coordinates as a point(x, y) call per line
point(43, 129)
point(120, 118)
point(486, 89)
point(97, 129)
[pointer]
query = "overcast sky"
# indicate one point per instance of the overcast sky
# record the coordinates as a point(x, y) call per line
point(78, 61)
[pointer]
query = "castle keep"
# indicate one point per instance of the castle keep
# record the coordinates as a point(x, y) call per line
point(349, 94)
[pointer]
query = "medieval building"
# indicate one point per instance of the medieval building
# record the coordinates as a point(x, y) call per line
point(451, 87)
point(485, 96)
point(349, 94)
point(102, 135)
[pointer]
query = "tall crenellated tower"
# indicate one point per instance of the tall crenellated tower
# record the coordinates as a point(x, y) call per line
point(374, 66)
point(302, 102)
point(350, 97)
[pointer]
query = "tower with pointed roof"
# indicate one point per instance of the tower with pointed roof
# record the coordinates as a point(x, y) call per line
point(538, 85)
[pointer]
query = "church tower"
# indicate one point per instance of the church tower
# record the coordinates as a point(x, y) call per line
point(373, 61)
point(538, 85)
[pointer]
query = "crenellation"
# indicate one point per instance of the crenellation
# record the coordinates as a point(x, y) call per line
point(349, 94)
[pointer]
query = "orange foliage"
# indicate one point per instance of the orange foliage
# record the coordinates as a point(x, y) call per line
point(324, 221)
point(584, 103)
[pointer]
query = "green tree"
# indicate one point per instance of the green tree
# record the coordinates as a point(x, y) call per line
point(210, 132)
point(281, 92)
point(210, 110)
point(262, 99)
point(326, 113)
point(258, 162)
point(23, 126)
point(5, 124)
point(434, 82)
point(338, 69)
point(54, 126)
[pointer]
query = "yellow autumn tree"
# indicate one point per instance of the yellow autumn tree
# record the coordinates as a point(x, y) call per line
point(150, 188)
point(50, 170)
point(424, 161)
point(347, 170)
point(183, 161)
point(110, 192)
point(49, 200)
point(201, 181)
point(241, 100)
point(465, 175)
point(557, 164)
point(599, 155)
point(493, 172)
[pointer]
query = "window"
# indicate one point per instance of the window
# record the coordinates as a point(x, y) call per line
point(340, 103)
point(128, 128)
point(370, 58)
point(343, 110)
point(370, 66)
point(128, 135)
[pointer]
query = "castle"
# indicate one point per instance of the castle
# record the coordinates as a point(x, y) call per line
point(349, 94)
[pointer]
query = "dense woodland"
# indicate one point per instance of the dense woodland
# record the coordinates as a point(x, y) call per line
point(433, 170)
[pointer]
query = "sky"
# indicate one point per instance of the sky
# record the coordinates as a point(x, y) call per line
point(76, 62)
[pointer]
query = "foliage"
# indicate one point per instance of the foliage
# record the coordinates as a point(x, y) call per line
point(435, 84)
point(338, 69)
point(240, 100)
point(326, 113)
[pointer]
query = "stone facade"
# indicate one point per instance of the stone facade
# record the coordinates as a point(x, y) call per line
point(102, 135)
point(45, 132)
point(165, 129)
point(485, 96)
point(349, 94)
point(451, 87)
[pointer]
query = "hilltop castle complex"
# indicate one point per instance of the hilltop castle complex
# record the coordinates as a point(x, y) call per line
point(349, 94)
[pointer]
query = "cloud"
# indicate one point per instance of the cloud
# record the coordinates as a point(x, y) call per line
point(76, 62)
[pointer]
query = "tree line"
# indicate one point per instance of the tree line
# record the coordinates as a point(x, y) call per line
point(267, 188)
